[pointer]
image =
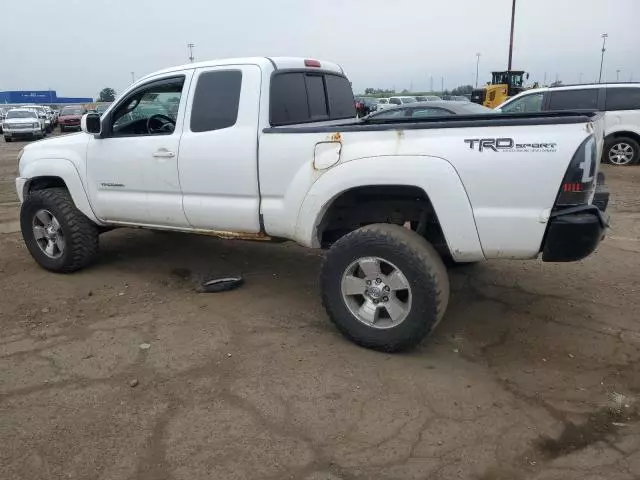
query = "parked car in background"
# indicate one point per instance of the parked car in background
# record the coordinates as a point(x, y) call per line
point(427, 98)
point(42, 115)
point(620, 103)
point(433, 109)
point(22, 123)
point(100, 109)
point(70, 117)
point(366, 105)
point(459, 98)
point(383, 103)
point(3, 115)
point(401, 100)
point(51, 115)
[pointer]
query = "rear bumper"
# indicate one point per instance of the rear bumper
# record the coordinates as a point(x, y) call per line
point(574, 233)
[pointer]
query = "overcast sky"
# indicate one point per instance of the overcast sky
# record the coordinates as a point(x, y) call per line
point(77, 47)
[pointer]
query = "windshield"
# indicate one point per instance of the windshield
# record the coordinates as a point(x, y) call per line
point(21, 114)
point(72, 111)
point(408, 100)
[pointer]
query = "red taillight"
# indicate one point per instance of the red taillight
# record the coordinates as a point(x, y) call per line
point(312, 63)
point(573, 187)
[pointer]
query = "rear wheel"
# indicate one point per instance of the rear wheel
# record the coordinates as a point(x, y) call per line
point(622, 151)
point(59, 237)
point(384, 287)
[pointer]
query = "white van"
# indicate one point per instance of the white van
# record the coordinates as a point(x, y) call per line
point(619, 101)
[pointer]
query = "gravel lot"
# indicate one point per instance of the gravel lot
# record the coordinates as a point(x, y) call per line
point(533, 373)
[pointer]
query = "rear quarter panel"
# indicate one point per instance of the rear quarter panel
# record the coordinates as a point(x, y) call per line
point(509, 193)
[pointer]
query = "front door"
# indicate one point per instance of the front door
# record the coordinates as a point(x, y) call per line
point(132, 168)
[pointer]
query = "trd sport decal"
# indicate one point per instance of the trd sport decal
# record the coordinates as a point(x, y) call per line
point(508, 145)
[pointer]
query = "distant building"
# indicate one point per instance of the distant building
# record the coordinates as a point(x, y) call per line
point(48, 97)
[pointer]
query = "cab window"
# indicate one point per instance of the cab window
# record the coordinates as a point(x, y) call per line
point(151, 110)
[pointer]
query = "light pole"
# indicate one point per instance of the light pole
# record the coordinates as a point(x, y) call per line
point(513, 19)
point(617, 75)
point(190, 47)
point(604, 41)
point(442, 85)
point(477, 67)
point(133, 77)
point(580, 81)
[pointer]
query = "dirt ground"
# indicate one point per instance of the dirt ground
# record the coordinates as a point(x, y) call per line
point(533, 374)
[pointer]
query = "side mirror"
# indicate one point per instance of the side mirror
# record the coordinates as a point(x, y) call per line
point(90, 123)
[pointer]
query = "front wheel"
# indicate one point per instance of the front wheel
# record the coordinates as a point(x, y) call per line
point(384, 287)
point(622, 151)
point(58, 235)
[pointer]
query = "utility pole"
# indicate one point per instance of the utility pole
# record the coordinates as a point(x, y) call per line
point(580, 76)
point(513, 18)
point(477, 66)
point(617, 75)
point(442, 85)
point(431, 84)
point(545, 79)
point(133, 77)
point(190, 47)
point(604, 41)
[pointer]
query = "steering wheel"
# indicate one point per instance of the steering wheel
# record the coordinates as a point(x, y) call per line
point(159, 123)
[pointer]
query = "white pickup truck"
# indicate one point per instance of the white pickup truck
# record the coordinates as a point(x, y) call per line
point(263, 148)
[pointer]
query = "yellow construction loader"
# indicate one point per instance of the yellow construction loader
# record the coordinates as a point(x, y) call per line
point(502, 86)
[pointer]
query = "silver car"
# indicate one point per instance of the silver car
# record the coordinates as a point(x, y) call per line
point(432, 109)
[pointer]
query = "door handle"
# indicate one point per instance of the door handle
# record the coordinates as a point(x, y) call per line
point(164, 153)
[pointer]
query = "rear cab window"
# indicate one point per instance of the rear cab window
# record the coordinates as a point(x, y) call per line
point(623, 98)
point(578, 99)
point(308, 96)
point(216, 100)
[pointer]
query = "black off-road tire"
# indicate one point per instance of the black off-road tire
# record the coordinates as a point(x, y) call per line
point(417, 260)
point(8, 139)
point(80, 233)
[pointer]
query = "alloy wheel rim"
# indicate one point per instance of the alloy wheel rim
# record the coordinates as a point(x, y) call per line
point(376, 292)
point(621, 153)
point(47, 232)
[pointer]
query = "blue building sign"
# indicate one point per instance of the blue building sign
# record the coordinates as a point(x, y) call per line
point(39, 96)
